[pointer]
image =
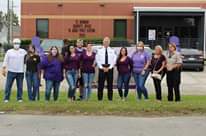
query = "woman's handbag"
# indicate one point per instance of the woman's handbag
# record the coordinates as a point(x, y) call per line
point(156, 75)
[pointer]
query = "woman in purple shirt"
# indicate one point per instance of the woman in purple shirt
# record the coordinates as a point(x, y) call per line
point(124, 68)
point(72, 65)
point(88, 70)
point(141, 61)
point(52, 66)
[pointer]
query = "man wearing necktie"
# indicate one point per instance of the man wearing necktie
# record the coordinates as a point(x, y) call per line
point(106, 60)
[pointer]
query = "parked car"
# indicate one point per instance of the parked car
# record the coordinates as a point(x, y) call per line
point(192, 59)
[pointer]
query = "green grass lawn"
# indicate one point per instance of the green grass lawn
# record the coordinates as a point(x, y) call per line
point(190, 105)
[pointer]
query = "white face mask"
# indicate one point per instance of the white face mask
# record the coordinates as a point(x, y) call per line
point(140, 48)
point(16, 46)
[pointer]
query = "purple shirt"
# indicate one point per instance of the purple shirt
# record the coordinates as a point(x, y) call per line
point(139, 60)
point(87, 63)
point(79, 51)
point(53, 70)
point(124, 67)
point(72, 62)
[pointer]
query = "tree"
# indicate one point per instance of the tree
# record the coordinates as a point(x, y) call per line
point(1, 20)
point(15, 19)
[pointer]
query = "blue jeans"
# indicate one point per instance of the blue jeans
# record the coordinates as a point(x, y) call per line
point(140, 84)
point(88, 79)
point(49, 85)
point(72, 76)
point(123, 80)
point(32, 85)
point(11, 76)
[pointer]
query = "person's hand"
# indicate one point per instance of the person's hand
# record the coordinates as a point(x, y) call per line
point(105, 69)
point(79, 74)
point(155, 72)
point(143, 72)
point(169, 67)
point(94, 65)
point(4, 72)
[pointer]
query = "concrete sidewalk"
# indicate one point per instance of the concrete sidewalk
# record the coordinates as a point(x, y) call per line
point(27, 125)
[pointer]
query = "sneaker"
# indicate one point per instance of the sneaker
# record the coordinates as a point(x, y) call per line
point(20, 101)
point(6, 101)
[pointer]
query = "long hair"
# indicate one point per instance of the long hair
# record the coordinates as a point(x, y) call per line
point(28, 52)
point(58, 55)
point(120, 54)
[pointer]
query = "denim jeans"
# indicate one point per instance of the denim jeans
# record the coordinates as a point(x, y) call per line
point(88, 79)
point(11, 76)
point(32, 81)
point(72, 76)
point(140, 84)
point(123, 80)
point(50, 84)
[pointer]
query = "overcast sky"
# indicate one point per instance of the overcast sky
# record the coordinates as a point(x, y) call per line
point(3, 6)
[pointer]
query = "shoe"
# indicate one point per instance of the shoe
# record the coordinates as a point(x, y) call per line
point(20, 101)
point(6, 101)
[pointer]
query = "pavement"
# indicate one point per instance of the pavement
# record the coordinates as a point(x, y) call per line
point(28, 125)
point(193, 83)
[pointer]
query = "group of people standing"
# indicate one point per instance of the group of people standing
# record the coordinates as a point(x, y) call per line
point(77, 65)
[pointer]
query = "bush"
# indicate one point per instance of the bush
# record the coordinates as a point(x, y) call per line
point(7, 46)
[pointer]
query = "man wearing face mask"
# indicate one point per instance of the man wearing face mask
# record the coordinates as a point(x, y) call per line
point(13, 69)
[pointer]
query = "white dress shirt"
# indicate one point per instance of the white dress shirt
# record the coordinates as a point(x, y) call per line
point(100, 57)
point(14, 60)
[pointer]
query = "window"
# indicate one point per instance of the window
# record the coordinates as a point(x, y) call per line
point(120, 28)
point(42, 28)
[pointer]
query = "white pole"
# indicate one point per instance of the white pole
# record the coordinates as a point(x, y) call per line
point(204, 46)
point(137, 26)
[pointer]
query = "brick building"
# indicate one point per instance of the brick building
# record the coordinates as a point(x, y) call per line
point(147, 20)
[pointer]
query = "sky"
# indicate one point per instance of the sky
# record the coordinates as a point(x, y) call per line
point(3, 6)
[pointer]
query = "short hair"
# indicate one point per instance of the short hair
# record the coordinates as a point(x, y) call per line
point(140, 43)
point(173, 45)
point(159, 47)
point(80, 41)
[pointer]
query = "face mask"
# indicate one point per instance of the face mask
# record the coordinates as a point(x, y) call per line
point(16, 46)
point(54, 52)
point(140, 48)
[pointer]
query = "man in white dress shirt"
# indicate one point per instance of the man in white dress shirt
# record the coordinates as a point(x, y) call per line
point(13, 68)
point(106, 60)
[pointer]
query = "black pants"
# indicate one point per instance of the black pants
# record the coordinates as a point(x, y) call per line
point(173, 84)
point(108, 76)
point(158, 88)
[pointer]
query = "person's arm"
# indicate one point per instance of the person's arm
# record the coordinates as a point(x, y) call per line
point(147, 58)
point(178, 63)
point(98, 60)
point(162, 67)
point(131, 64)
point(4, 65)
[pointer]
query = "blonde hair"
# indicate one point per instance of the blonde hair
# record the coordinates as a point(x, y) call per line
point(140, 43)
point(159, 47)
point(80, 41)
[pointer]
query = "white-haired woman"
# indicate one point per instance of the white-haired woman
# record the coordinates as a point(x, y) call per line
point(157, 66)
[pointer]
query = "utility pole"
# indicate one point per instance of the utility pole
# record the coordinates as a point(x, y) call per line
point(8, 22)
point(10, 11)
point(11, 19)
